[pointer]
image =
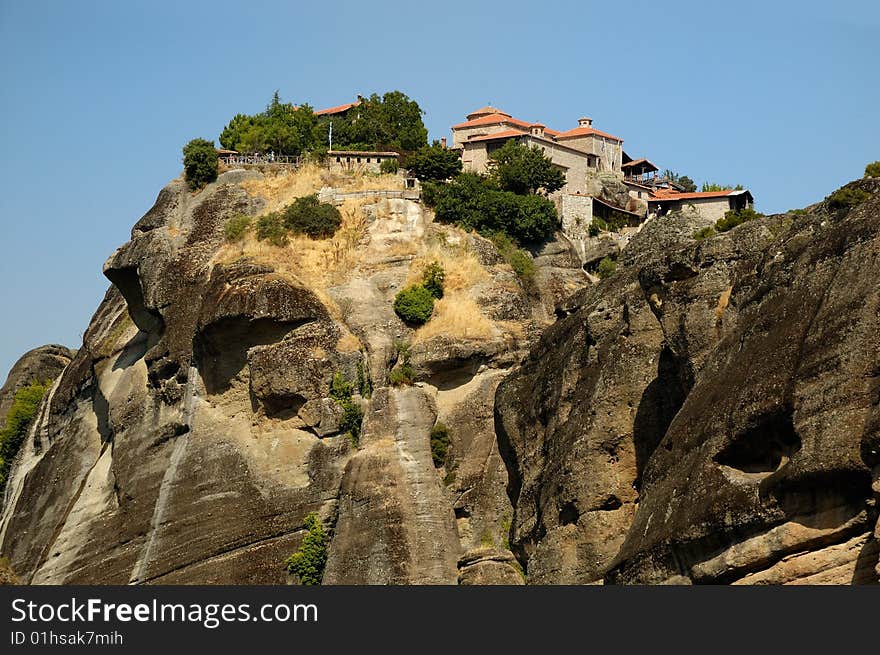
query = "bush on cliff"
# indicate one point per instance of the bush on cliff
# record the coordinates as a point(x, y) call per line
point(433, 278)
point(310, 216)
point(271, 228)
point(341, 390)
point(846, 198)
point(18, 421)
point(606, 267)
point(199, 163)
point(414, 304)
point(439, 444)
point(235, 227)
point(309, 561)
point(517, 258)
point(873, 169)
point(733, 218)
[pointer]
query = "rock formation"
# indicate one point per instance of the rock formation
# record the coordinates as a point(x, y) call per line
point(37, 365)
point(708, 414)
point(194, 430)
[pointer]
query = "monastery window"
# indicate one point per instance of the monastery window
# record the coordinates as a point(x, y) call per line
point(339, 159)
point(358, 160)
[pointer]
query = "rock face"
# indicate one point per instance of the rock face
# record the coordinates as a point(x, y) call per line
point(710, 413)
point(37, 365)
point(194, 431)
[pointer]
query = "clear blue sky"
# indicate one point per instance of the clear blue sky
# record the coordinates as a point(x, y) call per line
point(98, 98)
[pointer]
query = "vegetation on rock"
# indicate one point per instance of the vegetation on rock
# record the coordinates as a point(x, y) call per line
point(310, 216)
point(282, 128)
point(414, 304)
point(846, 198)
point(681, 180)
point(199, 163)
point(271, 228)
point(434, 162)
point(711, 186)
point(518, 259)
point(606, 267)
point(236, 227)
point(392, 121)
point(18, 421)
point(873, 169)
point(309, 561)
point(733, 218)
point(439, 444)
point(432, 279)
point(341, 390)
point(389, 166)
point(402, 373)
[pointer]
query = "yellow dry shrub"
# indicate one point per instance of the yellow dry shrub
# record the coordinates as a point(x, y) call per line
point(458, 316)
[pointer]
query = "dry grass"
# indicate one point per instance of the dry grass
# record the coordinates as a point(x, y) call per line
point(282, 188)
point(463, 269)
point(316, 263)
point(723, 301)
point(348, 343)
point(457, 316)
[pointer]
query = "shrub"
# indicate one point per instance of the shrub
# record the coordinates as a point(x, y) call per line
point(606, 267)
point(389, 166)
point(733, 218)
point(517, 258)
point(873, 169)
point(310, 216)
point(433, 278)
point(236, 227)
point(341, 391)
point(845, 198)
point(365, 384)
point(270, 227)
point(403, 372)
point(19, 418)
point(705, 232)
point(439, 444)
point(593, 230)
point(199, 163)
point(414, 304)
point(434, 162)
point(309, 561)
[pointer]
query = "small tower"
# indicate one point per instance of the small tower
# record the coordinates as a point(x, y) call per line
point(585, 122)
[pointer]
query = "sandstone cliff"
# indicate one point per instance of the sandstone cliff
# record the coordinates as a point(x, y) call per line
point(707, 414)
point(193, 432)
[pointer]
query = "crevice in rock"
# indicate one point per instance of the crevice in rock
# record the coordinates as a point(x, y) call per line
point(761, 447)
point(660, 402)
point(221, 348)
point(128, 281)
point(569, 514)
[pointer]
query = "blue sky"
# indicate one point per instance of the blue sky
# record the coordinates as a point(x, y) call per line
point(98, 98)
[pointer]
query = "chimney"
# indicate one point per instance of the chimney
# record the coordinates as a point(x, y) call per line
point(585, 122)
point(360, 98)
point(443, 142)
point(537, 129)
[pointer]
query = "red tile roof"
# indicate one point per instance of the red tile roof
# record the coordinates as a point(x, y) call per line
point(506, 134)
point(336, 110)
point(483, 111)
point(636, 162)
point(587, 131)
point(491, 119)
point(665, 194)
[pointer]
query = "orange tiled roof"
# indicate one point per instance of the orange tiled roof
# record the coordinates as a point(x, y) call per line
point(491, 119)
point(587, 131)
point(483, 111)
point(506, 134)
point(666, 194)
point(636, 162)
point(336, 110)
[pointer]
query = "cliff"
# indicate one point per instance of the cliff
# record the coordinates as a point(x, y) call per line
point(707, 414)
point(194, 430)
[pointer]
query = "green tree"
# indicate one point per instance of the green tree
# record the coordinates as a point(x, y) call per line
point(309, 561)
point(687, 184)
point(711, 186)
point(19, 418)
point(282, 128)
point(433, 278)
point(472, 203)
point(199, 163)
point(434, 162)
point(873, 169)
point(308, 215)
point(524, 170)
point(390, 122)
point(606, 267)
